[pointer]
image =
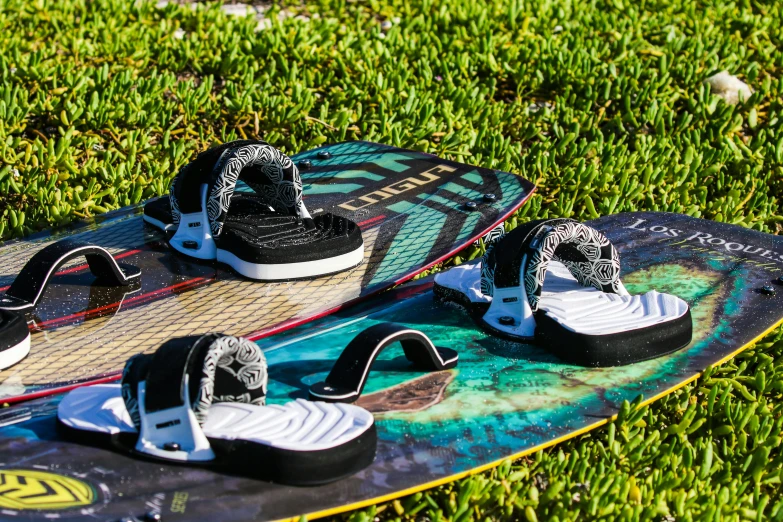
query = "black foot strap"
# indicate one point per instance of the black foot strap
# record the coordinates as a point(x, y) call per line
point(168, 394)
point(349, 375)
point(27, 289)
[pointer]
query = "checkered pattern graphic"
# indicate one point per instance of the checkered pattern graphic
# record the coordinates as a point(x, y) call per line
point(405, 242)
point(232, 305)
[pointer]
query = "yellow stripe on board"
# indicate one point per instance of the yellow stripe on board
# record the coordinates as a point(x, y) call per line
point(494, 464)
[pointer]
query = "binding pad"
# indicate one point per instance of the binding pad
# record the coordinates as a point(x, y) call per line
point(268, 235)
point(200, 400)
point(349, 374)
point(557, 282)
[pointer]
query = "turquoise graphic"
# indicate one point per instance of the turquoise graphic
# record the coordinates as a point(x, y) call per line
point(503, 399)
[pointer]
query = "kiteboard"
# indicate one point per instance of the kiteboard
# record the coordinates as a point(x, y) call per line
point(503, 399)
point(414, 210)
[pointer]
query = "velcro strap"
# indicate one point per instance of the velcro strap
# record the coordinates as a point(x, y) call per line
point(270, 173)
point(586, 252)
point(219, 368)
point(502, 262)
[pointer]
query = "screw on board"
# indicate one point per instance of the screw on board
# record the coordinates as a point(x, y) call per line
point(305, 164)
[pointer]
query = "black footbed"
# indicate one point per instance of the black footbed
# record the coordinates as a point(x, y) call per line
point(276, 239)
point(160, 208)
point(13, 329)
point(256, 234)
point(247, 458)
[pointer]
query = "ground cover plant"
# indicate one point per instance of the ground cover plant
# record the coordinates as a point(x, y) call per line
point(602, 103)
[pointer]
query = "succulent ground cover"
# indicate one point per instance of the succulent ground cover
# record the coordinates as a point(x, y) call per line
point(602, 103)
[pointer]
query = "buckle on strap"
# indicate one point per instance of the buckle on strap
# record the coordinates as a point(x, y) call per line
point(194, 233)
point(173, 433)
point(510, 312)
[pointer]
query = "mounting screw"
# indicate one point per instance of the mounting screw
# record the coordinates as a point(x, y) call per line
point(471, 205)
point(305, 164)
point(171, 446)
point(490, 197)
point(507, 320)
point(152, 516)
point(324, 154)
point(768, 290)
point(192, 245)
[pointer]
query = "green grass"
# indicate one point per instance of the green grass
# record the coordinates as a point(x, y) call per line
point(601, 103)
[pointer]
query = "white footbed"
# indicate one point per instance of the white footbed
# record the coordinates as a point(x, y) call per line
point(14, 354)
point(580, 309)
point(297, 425)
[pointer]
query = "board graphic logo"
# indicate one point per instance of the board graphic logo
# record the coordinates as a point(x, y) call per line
point(24, 489)
point(396, 188)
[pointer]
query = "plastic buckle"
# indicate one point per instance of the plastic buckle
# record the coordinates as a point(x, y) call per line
point(172, 434)
point(509, 310)
point(194, 235)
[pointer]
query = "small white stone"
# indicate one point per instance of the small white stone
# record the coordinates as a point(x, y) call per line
point(396, 20)
point(263, 24)
point(98, 147)
point(386, 25)
point(537, 106)
point(238, 9)
point(382, 35)
point(162, 4)
point(15, 172)
point(558, 28)
point(728, 87)
point(179, 34)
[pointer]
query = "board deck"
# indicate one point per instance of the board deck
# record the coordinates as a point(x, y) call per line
point(409, 205)
point(503, 400)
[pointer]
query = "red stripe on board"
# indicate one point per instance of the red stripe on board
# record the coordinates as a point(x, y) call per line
point(196, 281)
point(371, 220)
point(84, 266)
point(293, 323)
point(114, 376)
point(260, 334)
